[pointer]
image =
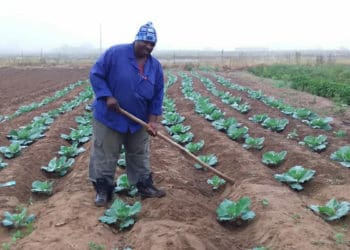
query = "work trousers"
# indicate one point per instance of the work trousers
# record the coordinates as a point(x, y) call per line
point(105, 151)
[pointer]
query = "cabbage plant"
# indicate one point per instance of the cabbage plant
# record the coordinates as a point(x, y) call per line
point(216, 182)
point(342, 155)
point(17, 220)
point(255, 143)
point(237, 133)
point(231, 211)
point(11, 151)
point(123, 185)
point(26, 135)
point(203, 106)
point(274, 124)
point(258, 118)
point(168, 105)
point(296, 176)
point(71, 151)
point(183, 138)
point(321, 123)
point(272, 158)
point(231, 99)
point(84, 120)
point(210, 160)
point(121, 214)
point(333, 209)
point(59, 166)
point(44, 187)
point(194, 147)
point(315, 143)
point(242, 108)
point(223, 124)
point(215, 115)
point(2, 163)
point(80, 135)
point(177, 129)
point(255, 94)
point(288, 110)
point(303, 114)
point(172, 118)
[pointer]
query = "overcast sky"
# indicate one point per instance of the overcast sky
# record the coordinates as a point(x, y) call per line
point(181, 24)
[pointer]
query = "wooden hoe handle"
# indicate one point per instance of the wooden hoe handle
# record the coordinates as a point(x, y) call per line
point(139, 121)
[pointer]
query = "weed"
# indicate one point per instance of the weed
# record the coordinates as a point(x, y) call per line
point(293, 135)
point(265, 203)
point(340, 133)
point(339, 238)
point(6, 246)
point(95, 246)
point(280, 84)
point(296, 218)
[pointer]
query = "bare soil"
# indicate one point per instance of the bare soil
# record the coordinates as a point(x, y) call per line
point(186, 217)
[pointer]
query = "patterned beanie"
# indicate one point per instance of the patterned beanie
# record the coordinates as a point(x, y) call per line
point(147, 33)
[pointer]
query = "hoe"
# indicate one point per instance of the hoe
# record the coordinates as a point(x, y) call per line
point(134, 118)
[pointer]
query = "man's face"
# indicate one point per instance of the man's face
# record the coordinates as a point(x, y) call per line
point(143, 48)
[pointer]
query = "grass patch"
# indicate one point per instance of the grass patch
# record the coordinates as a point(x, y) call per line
point(326, 80)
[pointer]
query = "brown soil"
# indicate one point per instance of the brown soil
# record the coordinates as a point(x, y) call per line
point(186, 217)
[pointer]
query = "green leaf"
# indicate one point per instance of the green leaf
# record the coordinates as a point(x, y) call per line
point(248, 215)
point(216, 182)
point(258, 118)
point(229, 210)
point(17, 220)
point(122, 213)
point(194, 147)
point(316, 143)
point(295, 176)
point(177, 129)
point(342, 155)
point(108, 219)
point(127, 223)
point(223, 124)
point(8, 184)
point(210, 160)
point(273, 124)
point(237, 133)
point(183, 138)
point(272, 158)
point(42, 187)
point(255, 143)
point(333, 209)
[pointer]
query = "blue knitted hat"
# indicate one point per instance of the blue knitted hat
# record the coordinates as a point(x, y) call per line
point(147, 33)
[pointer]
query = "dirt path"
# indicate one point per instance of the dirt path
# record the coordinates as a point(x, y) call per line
point(185, 218)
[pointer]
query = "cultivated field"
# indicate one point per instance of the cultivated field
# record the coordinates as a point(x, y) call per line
point(186, 217)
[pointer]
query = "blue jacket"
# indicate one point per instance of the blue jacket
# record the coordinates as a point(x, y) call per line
point(116, 73)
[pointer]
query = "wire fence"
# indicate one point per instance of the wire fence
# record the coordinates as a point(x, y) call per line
point(230, 59)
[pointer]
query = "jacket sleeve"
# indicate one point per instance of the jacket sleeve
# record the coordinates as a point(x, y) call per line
point(99, 76)
point(157, 101)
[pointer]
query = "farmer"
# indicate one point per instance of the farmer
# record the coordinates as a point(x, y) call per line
point(126, 76)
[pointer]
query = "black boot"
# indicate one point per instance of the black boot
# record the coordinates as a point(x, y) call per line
point(104, 192)
point(148, 190)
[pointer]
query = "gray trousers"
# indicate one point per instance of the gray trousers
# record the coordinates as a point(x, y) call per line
point(105, 150)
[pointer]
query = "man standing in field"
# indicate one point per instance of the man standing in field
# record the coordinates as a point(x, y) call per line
point(126, 76)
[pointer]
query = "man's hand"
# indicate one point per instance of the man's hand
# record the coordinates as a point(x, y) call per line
point(152, 128)
point(112, 103)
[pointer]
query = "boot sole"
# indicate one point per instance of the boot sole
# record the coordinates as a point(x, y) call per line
point(101, 204)
point(152, 196)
